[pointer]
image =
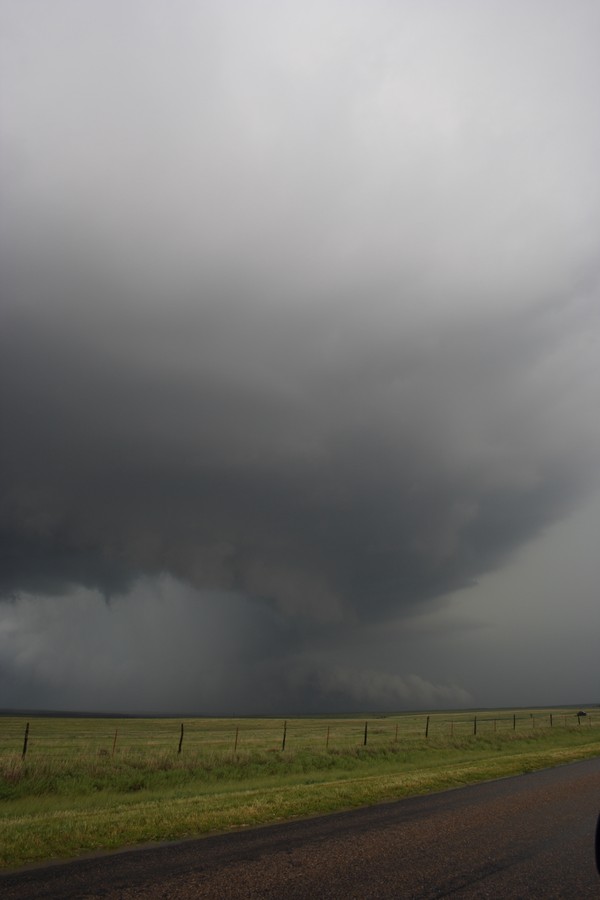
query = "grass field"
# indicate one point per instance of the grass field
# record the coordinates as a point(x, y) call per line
point(86, 784)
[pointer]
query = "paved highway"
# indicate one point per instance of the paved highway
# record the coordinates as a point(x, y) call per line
point(525, 837)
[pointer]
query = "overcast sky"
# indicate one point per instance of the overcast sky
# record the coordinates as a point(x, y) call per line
point(300, 354)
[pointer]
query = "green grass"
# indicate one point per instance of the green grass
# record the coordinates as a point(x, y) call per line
point(78, 789)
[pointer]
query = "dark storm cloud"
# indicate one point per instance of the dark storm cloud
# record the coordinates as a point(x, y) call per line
point(251, 457)
point(300, 301)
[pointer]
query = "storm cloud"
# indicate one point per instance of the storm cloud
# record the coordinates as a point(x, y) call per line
point(300, 321)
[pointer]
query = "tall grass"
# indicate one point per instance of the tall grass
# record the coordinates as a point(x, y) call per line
point(77, 789)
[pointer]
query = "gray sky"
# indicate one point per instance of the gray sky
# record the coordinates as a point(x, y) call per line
point(300, 320)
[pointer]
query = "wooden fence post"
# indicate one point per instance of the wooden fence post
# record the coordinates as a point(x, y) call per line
point(396, 732)
point(327, 739)
point(235, 743)
point(550, 720)
point(427, 727)
point(365, 738)
point(475, 725)
point(180, 739)
point(114, 742)
point(284, 734)
point(514, 722)
point(25, 740)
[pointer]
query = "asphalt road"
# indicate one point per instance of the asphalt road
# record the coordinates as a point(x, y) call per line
point(525, 837)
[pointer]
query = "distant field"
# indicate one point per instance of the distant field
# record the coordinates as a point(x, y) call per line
point(96, 783)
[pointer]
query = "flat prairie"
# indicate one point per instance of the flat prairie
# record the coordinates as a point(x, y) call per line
point(74, 785)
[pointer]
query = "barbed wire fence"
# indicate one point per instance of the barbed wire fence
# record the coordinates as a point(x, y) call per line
point(108, 737)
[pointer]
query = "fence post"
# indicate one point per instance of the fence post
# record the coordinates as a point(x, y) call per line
point(427, 727)
point(396, 732)
point(284, 734)
point(550, 720)
point(180, 739)
point(114, 741)
point(365, 738)
point(514, 722)
point(25, 740)
point(475, 725)
point(235, 743)
point(327, 739)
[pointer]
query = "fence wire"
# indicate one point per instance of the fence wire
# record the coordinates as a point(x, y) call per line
point(50, 736)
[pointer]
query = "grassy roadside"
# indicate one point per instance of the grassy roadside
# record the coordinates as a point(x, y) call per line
point(64, 806)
